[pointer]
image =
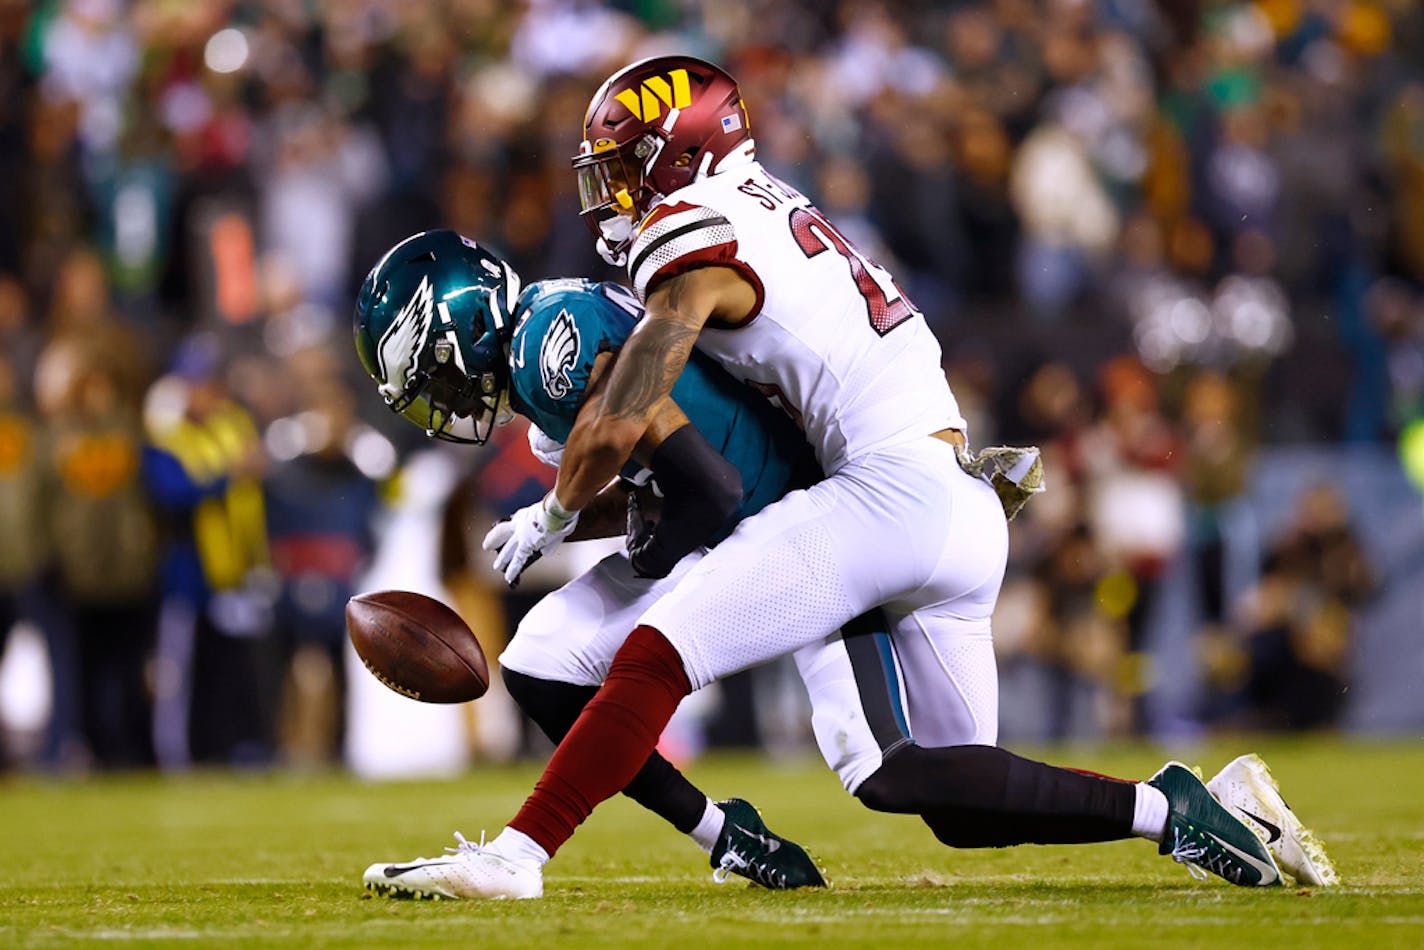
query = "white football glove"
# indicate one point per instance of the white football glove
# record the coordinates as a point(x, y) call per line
point(523, 539)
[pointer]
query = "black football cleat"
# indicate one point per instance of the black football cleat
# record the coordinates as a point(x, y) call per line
point(749, 849)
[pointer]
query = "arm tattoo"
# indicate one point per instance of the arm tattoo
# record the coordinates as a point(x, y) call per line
point(652, 357)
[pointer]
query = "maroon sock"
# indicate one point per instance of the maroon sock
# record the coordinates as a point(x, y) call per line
point(1092, 774)
point(609, 742)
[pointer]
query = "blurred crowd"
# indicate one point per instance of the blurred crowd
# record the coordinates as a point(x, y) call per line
point(1152, 236)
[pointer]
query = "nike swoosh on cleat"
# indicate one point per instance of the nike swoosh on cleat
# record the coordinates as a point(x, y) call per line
point(1269, 875)
point(1274, 831)
point(771, 845)
point(396, 870)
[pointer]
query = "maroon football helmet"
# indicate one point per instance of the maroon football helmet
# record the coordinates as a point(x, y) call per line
point(652, 128)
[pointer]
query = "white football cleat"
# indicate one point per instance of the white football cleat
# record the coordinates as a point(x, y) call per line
point(1247, 788)
point(469, 871)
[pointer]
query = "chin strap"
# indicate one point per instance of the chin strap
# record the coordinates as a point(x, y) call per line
point(616, 258)
point(616, 235)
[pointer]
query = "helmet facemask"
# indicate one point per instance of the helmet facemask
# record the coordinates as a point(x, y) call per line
point(614, 193)
point(450, 404)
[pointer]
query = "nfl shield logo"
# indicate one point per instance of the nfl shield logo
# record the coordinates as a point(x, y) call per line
point(731, 123)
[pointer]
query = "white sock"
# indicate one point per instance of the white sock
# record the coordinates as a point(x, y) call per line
point(1149, 814)
point(709, 829)
point(517, 846)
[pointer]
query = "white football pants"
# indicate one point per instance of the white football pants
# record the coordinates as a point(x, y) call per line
point(906, 530)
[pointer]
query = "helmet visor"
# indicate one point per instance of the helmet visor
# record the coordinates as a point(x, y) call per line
point(602, 184)
point(592, 187)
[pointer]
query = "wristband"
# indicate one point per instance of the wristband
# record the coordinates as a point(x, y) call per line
point(557, 515)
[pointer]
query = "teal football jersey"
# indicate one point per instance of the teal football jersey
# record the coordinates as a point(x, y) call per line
point(560, 328)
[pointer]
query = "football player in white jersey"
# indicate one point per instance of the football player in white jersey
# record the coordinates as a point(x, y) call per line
point(739, 264)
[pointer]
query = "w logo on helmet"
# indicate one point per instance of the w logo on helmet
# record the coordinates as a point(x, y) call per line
point(646, 103)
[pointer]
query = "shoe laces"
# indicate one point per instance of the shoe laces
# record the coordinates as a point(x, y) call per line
point(736, 862)
point(1201, 860)
point(464, 846)
point(1189, 853)
point(731, 862)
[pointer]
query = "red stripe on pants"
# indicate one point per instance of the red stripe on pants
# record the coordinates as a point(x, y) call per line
point(1110, 778)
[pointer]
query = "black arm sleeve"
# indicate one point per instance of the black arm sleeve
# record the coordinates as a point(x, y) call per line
point(700, 489)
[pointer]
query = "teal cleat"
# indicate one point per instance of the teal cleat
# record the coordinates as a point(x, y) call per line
point(748, 848)
point(1202, 834)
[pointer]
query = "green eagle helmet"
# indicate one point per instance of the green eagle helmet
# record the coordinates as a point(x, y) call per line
point(432, 324)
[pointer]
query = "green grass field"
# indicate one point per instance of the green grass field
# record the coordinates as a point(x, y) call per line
point(276, 859)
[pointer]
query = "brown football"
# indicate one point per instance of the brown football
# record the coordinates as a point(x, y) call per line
point(417, 646)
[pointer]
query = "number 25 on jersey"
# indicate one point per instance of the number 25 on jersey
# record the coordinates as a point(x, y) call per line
point(885, 303)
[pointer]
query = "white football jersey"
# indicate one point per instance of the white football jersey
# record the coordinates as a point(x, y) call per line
point(834, 341)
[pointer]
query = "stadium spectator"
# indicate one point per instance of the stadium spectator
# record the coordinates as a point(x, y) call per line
point(24, 537)
point(320, 512)
point(104, 539)
point(214, 679)
point(1219, 435)
point(88, 380)
point(1135, 510)
point(1293, 668)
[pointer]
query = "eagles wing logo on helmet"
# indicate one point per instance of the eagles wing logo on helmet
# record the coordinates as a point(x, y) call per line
point(558, 353)
point(400, 346)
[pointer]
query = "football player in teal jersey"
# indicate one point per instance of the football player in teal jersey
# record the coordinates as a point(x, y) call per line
point(566, 331)
point(457, 346)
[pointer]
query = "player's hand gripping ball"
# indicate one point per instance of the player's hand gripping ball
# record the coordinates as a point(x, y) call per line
point(417, 646)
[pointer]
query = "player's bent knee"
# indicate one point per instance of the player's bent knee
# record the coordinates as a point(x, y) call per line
point(648, 656)
point(530, 658)
point(891, 788)
point(900, 786)
point(539, 650)
point(951, 780)
point(553, 706)
point(876, 794)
